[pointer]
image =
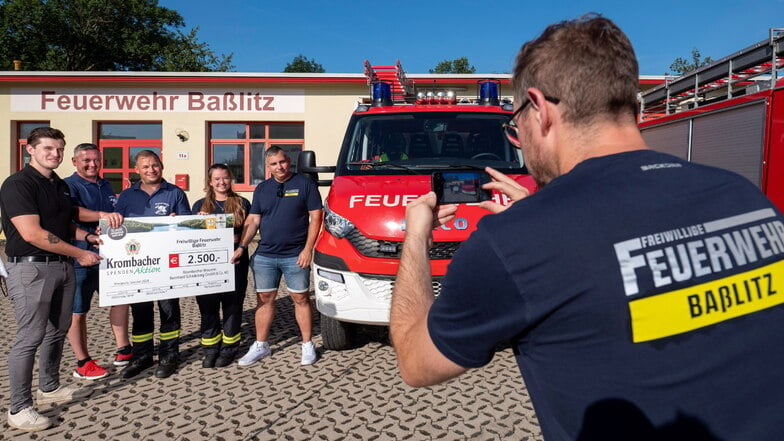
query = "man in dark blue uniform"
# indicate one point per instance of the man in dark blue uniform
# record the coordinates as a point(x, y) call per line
point(641, 294)
point(90, 191)
point(153, 196)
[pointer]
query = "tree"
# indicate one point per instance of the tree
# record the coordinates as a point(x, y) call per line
point(84, 35)
point(456, 66)
point(300, 63)
point(682, 66)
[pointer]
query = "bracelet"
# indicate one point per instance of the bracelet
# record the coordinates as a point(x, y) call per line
point(87, 237)
point(244, 247)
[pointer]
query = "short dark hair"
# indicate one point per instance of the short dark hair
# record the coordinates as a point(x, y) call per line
point(147, 154)
point(84, 147)
point(274, 150)
point(34, 138)
point(587, 63)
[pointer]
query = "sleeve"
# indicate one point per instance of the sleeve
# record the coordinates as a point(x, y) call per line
point(246, 206)
point(19, 199)
point(121, 205)
point(255, 207)
point(197, 206)
point(479, 307)
point(183, 207)
point(314, 197)
point(75, 195)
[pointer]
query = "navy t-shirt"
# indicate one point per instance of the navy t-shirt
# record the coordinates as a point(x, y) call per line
point(96, 196)
point(639, 292)
point(168, 199)
point(284, 209)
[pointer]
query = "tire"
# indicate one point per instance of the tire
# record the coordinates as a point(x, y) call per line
point(336, 335)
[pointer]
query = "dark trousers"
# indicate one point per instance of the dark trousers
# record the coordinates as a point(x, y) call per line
point(144, 327)
point(215, 335)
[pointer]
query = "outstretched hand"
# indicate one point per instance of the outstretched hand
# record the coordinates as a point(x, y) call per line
point(505, 185)
point(423, 215)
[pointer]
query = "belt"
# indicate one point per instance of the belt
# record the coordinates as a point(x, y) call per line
point(38, 259)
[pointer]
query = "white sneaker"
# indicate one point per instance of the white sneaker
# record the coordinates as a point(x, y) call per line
point(308, 353)
point(62, 394)
point(28, 420)
point(256, 352)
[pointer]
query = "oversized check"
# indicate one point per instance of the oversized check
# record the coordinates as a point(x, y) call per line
point(165, 257)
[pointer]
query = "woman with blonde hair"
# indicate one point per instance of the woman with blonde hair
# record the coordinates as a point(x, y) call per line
point(220, 340)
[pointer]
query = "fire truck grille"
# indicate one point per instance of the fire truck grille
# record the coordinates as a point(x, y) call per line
point(389, 249)
point(381, 287)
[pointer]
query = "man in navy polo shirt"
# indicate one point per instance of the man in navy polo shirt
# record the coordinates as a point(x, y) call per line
point(91, 191)
point(153, 196)
point(287, 211)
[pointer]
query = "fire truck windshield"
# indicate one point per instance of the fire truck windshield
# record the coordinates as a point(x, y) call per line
point(426, 141)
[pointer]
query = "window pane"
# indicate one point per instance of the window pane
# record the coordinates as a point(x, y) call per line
point(257, 131)
point(257, 165)
point(228, 131)
point(116, 180)
point(25, 128)
point(233, 156)
point(292, 150)
point(25, 157)
point(134, 177)
point(112, 157)
point(135, 151)
point(287, 131)
point(131, 131)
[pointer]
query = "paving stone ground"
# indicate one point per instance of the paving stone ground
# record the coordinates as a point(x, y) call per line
point(354, 395)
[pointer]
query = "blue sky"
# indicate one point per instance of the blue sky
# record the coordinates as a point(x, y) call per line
point(265, 35)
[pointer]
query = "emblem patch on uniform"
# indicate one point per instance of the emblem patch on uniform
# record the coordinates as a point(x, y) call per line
point(161, 208)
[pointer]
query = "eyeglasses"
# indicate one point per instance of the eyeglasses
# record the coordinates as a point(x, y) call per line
point(510, 126)
point(280, 190)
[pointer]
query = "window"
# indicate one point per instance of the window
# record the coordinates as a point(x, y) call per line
point(241, 147)
point(23, 129)
point(120, 143)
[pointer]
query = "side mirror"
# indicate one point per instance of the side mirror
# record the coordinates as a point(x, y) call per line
point(307, 166)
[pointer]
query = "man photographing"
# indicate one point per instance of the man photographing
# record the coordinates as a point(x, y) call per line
point(606, 302)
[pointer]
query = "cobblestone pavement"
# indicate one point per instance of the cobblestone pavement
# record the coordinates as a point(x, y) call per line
point(355, 394)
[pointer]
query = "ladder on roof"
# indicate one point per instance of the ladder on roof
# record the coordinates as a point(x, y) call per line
point(720, 80)
point(402, 88)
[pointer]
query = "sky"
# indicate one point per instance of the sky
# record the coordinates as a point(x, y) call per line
point(266, 35)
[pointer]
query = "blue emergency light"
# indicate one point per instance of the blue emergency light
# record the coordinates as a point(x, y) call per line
point(382, 94)
point(488, 92)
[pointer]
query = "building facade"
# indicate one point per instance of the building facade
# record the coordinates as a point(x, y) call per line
point(195, 119)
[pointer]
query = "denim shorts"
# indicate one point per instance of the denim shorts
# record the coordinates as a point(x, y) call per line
point(86, 285)
point(268, 270)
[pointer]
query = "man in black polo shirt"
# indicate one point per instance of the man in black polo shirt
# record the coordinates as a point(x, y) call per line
point(37, 216)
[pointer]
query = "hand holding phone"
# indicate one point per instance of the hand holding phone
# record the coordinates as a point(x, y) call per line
point(461, 187)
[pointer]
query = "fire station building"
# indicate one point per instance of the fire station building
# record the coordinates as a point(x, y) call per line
point(196, 119)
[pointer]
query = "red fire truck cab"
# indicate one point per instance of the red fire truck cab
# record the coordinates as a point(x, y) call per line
point(388, 155)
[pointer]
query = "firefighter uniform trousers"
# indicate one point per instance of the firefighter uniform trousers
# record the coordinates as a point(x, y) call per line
point(144, 327)
point(225, 339)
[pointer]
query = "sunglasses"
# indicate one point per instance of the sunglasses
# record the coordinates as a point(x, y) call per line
point(280, 190)
point(510, 126)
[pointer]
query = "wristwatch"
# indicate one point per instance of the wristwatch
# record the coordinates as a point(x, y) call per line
point(244, 247)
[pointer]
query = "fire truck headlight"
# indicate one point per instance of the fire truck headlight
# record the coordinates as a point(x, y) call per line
point(336, 224)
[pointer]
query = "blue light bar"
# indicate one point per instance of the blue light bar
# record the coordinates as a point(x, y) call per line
point(488, 93)
point(382, 94)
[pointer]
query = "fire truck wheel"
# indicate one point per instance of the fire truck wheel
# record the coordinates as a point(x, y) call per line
point(336, 335)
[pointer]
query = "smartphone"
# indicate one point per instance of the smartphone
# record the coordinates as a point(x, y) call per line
point(461, 187)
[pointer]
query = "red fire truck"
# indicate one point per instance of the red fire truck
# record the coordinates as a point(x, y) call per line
point(393, 144)
point(729, 114)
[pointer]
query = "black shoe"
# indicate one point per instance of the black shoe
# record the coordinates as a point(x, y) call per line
point(167, 365)
point(136, 366)
point(224, 360)
point(210, 358)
